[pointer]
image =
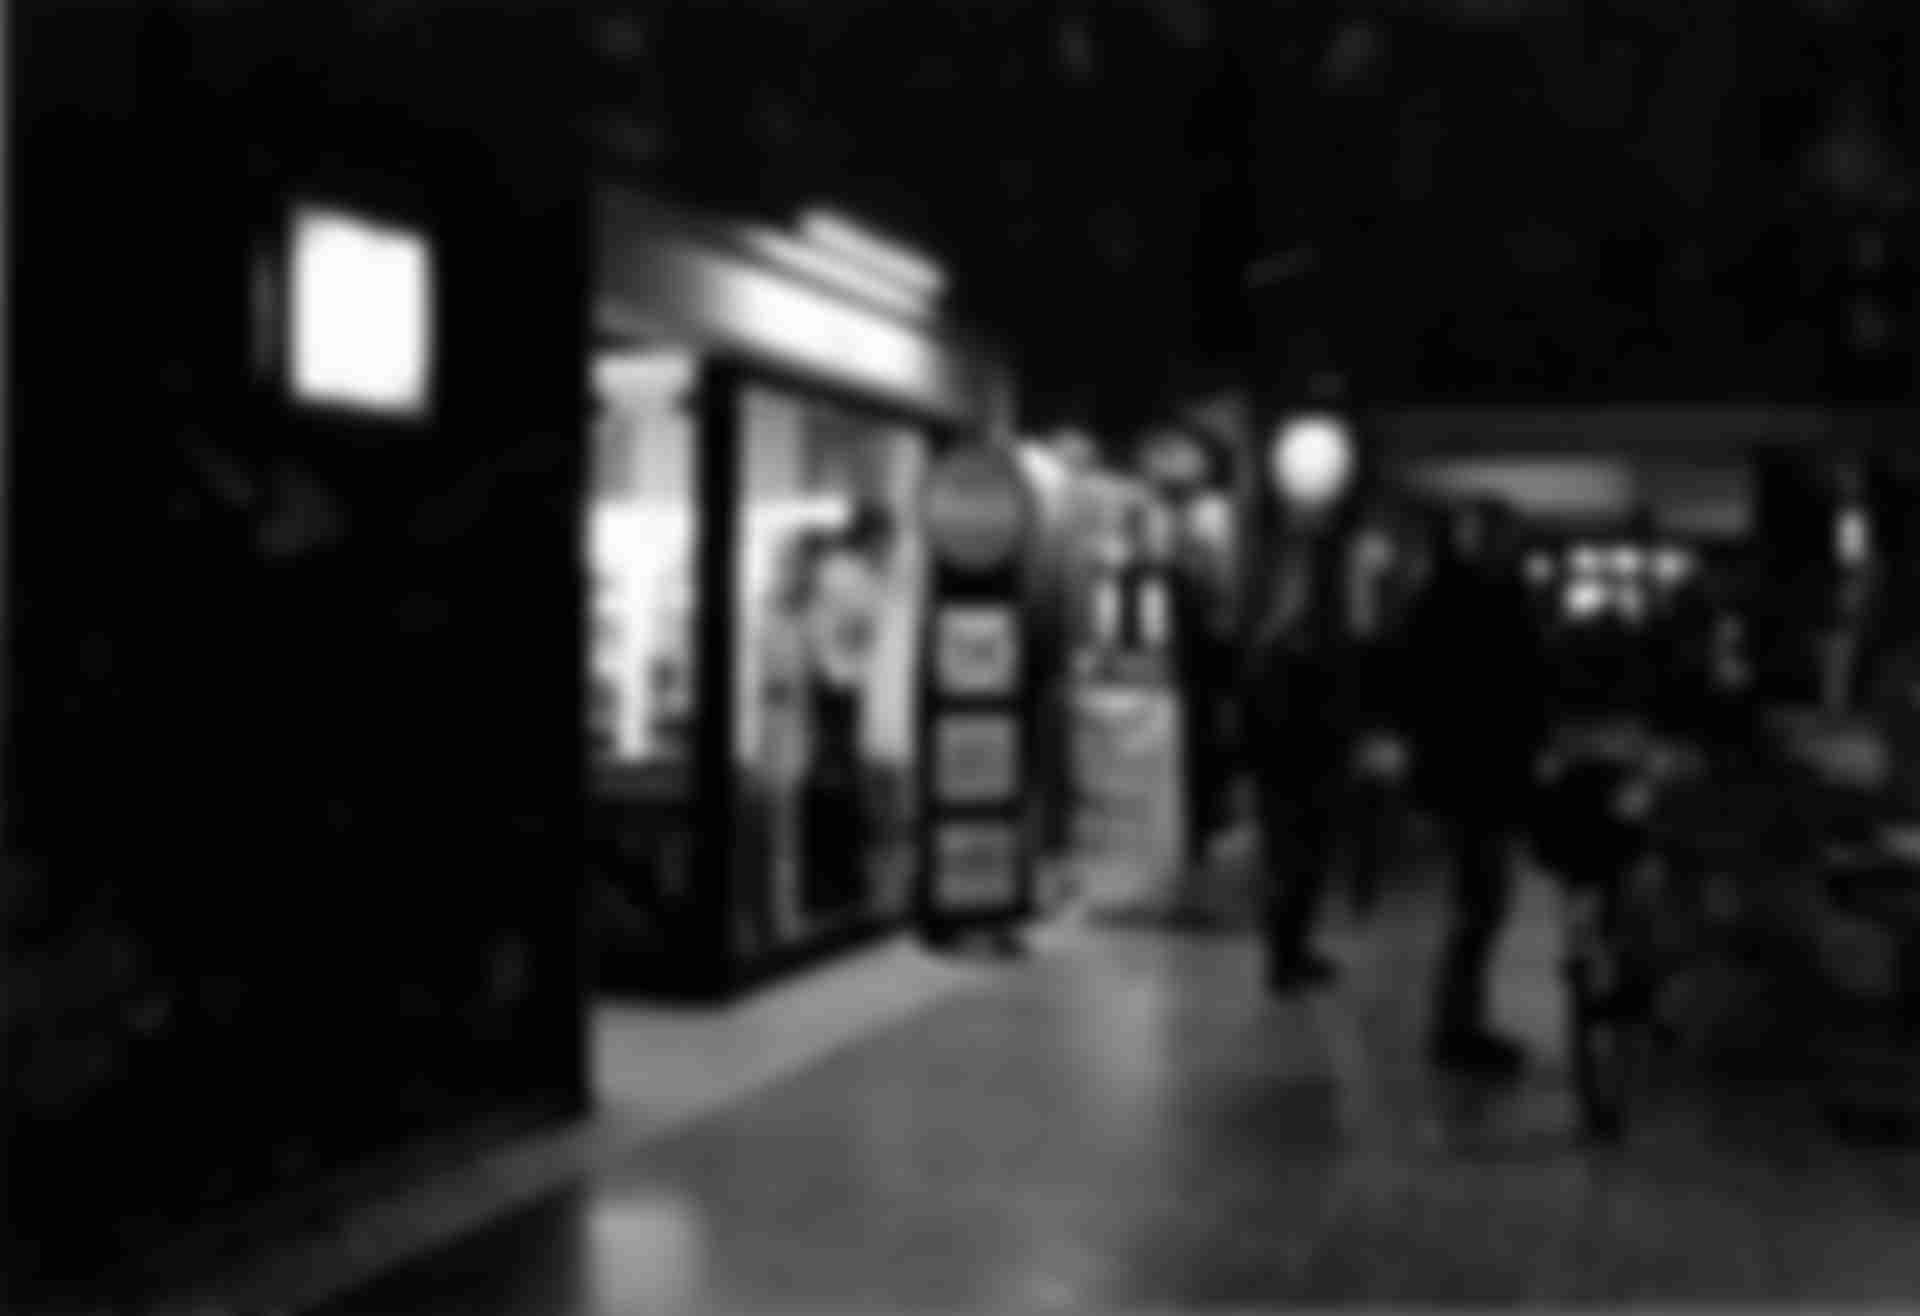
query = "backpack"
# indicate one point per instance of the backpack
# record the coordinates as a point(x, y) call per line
point(1294, 707)
point(1573, 830)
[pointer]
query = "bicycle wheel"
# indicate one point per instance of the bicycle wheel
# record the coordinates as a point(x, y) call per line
point(1607, 1042)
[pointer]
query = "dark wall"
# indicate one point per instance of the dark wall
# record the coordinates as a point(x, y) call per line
point(1605, 206)
point(294, 789)
point(1893, 502)
point(1792, 601)
point(1060, 159)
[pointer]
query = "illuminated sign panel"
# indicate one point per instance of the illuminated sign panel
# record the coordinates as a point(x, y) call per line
point(361, 330)
point(678, 277)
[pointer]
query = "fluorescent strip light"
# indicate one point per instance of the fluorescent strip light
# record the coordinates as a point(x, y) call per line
point(841, 236)
point(834, 268)
point(664, 375)
point(814, 327)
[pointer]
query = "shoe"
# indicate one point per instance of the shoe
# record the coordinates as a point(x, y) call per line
point(1480, 1054)
point(1297, 973)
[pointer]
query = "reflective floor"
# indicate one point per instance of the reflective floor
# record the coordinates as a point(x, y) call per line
point(1127, 1121)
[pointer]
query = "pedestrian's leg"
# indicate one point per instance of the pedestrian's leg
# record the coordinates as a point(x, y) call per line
point(1295, 838)
point(1320, 836)
point(1480, 896)
point(1365, 819)
point(1279, 904)
point(1199, 781)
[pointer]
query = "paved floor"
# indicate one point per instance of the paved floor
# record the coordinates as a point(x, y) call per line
point(657, 1069)
point(1128, 1122)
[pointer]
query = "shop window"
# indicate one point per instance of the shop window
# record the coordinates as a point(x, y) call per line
point(831, 589)
point(643, 615)
point(641, 543)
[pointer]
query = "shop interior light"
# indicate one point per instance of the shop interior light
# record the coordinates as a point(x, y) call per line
point(814, 326)
point(1673, 566)
point(1313, 460)
point(1176, 460)
point(665, 376)
point(1210, 521)
point(1632, 602)
point(1586, 560)
point(1586, 599)
point(832, 232)
point(1078, 449)
point(839, 271)
point(1376, 551)
point(362, 313)
point(1627, 560)
point(1853, 537)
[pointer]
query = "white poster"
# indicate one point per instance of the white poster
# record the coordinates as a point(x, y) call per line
point(977, 650)
point(976, 759)
point(976, 867)
point(1129, 825)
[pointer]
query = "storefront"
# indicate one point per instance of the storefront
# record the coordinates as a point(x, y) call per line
point(767, 407)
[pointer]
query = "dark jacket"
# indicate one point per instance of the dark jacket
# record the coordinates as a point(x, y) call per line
point(1575, 830)
point(1475, 694)
point(1300, 712)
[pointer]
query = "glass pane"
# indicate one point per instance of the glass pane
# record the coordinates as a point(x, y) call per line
point(644, 604)
point(832, 585)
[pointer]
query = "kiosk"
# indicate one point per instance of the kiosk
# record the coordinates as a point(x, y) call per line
point(978, 841)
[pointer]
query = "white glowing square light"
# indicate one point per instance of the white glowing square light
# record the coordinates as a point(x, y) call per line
point(362, 313)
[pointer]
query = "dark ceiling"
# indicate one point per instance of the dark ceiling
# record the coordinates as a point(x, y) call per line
point(1474, 201)
point(1076, 165)
point(1535, 200)
point(1615, 202)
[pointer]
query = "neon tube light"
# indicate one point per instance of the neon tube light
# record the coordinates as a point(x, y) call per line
point(835, 233)
point(833, 267)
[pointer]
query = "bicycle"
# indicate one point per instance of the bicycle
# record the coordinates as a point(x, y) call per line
point(1594, 831)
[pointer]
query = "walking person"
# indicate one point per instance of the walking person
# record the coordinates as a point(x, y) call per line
point(1371, 819)
point(1479, 720)
point(1203, 665)
point(1299, 746)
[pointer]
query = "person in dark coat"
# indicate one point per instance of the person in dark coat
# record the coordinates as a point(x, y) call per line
point(1300, 738)
point(1203, 667)
point(1372, 636)
point(1478, 719)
